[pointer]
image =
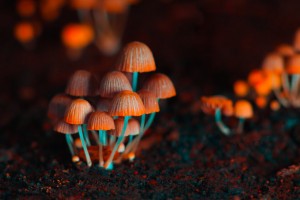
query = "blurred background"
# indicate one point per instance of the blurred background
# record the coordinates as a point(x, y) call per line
point(203, 45)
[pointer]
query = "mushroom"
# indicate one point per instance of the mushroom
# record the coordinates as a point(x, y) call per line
point(242, 110)
point(101, 122)
point(68, 130)
point(57, 107)
point(136, 58)
point(218, 105)
point(77, 114)
point(162, 87)
point(241, 88)
point(124, 104)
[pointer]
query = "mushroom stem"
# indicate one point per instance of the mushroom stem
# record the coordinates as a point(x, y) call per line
point(86, 152)
point(86, 134)
point(150, 121)
point(240, 127)
point(69, 140)
point(135, 76)
point(295, 86)
point(101, 137)
point(96, 138)
point(119, 141)
point(218, 118)
point(281, 99)
point(112, 140)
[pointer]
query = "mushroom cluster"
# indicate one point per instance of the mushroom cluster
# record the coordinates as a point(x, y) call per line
point(221, 105)
point(100, 21)
point(113, 114)
point(279, 77)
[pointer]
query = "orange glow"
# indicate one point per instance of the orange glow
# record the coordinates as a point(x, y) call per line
point(285, 50)
point(24, 32)
point(255, 76)
point(293, 66)
point(243, 109)
point(275, 105)
point(209, 105)
point(273, 63)
point(261, 101)
point(114, 6)
point(241, 88)
point(77, 36)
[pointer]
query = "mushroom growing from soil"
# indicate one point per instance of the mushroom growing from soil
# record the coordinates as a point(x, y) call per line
point(242, 110)
point(77, 114)
point(124, 104)
point(136, 58)
point(101, 122)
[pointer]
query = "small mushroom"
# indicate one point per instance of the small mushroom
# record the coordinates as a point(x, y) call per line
point(242, 110)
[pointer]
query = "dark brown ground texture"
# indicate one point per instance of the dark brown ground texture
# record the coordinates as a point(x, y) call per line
point(203, 46)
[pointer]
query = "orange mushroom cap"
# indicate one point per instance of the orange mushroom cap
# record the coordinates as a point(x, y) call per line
point(275, 105)
point(273, 63)
point(293, 66)
point(78, 112)
point(127, 103)
point(285, 50)
point(63, 127)
point(113, 83)
point(133, 127)
point(100, 121)
point(241, 88)
point(243, 109)
point(77, 36)
point(161, 85)
point(136, 57)
point(261, 101)
point(209, 105)
point(108, 42)
point(58, 105)
point(103, 104)
point(256, 76)
point(263, 88)
point(25, 32)
point(149, 100)
point(81, 84)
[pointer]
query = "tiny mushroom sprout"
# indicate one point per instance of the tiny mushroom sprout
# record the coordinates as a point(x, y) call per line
point(76, 37)
point(242, 110)
point(218, 105)
point(136, 58)
point(67, 129)
point(101, 122)
point(77, 114)
point(113, 83)
point(81, 84)
point(124, 104)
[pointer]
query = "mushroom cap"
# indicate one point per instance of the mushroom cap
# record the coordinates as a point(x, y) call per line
point(149, 100)
point(78, 112)
point(256, 76)
point(243, 109)
point(63, 127)
point(136, 57)
point(127, 103)
point(108, 42)
point(241, 88)
point(100, 121)
point(103, 104)
point(209, 105)
point(161, 85)
point(285, 50)
point(293, 66)
point(113, 83)
point(81, 84)
point(58, 105)
point(133, 127)
point(77, 36)
point(273, 63)
point(261, 101)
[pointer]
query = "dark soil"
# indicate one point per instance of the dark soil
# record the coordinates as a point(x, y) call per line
point(203, 46)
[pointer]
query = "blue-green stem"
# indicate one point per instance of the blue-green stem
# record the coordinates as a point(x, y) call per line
point(103, 137)
point(86, 152)
point(69, 140)
point(240, 127)
point(119, 141)
point(100, 148)
point(135, 76)
point(86, 135)
point(150, 121)
point(218, 118)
